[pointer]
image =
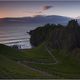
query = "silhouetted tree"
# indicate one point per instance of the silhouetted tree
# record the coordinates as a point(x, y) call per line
point(39, 35)
point(57, 36)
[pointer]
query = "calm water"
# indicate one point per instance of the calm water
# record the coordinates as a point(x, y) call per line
point(16, 34)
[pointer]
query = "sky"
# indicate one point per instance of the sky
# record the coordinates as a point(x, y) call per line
point(34, 8)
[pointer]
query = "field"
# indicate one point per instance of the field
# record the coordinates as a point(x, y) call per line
point(40, 62)
point(11, 66)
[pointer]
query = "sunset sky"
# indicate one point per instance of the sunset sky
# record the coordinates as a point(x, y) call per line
point(33, 8)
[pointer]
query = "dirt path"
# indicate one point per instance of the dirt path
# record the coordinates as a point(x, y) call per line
point(50, 53)
point(34, 69)
point(33, 62)
point(40, 71)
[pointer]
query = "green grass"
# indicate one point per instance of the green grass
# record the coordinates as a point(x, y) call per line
point(68, 65)
point(38, 54)
point(10, 68)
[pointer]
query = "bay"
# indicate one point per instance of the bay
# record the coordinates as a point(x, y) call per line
point(16, 34)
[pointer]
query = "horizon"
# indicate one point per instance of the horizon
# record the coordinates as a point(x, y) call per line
point(37, 16)
point(13, 9)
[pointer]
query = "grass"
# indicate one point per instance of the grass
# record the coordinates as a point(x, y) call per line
point(10, 68)
point(68, 66)
point(39, 54)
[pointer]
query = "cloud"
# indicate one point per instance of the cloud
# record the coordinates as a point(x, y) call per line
point(40, 11)
point(44, 8)
point(47, 7)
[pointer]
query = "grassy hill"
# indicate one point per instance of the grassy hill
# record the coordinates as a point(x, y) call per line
point(66, 65)
point(11, 66)
point(22, 64)
point(56, 55)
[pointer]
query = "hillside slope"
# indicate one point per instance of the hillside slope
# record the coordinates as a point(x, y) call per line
point(64, 64)
point(40, 62)
point(11, 66)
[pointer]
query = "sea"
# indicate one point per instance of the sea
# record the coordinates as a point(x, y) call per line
point(16, 34)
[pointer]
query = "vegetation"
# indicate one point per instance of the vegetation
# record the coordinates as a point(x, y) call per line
point(67, 66)
point(57, 36)
point(11, 66)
